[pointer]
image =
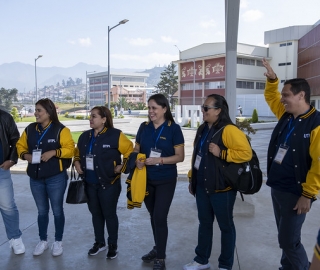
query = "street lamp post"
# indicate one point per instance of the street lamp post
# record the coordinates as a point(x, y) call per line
point(121, 93)
point(35, 75)
point(87, 99)
point(109, 29)
point(194, 83)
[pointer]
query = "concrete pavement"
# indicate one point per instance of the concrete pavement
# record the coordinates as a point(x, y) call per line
point(257, 245)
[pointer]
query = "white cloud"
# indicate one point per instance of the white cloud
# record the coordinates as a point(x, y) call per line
point(168, 39)
point(208, 24)
point(252, 15)
point(141, 41)
point(85, 42)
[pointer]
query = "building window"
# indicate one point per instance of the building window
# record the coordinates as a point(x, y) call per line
point(245, 61)
point(283, 44)
point(245, 84)
point(285, 64)
point(260, 85)
point(214, 85)
point(259, 63)
point(289, 43)
point(190, 86)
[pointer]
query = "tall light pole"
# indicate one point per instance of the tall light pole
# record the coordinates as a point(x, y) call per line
point(87, 99)
point(121, 92)
point(35, 75)
point(109, 29)
point(194, 83)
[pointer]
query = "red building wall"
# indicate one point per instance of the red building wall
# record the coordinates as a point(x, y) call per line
point(213, 70)
point(309, 59)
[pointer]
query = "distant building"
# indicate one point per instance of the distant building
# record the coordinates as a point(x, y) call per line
point(128, 82)
point(292, 52)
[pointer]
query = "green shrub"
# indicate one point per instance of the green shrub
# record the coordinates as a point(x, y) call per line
point(66, 114)
point(112, 112)
point(245, 126)
point(255, 117)
point(80, 117)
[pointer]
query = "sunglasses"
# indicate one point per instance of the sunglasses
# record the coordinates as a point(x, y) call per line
point(206, 108)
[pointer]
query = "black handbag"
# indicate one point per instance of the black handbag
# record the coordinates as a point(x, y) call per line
point(76, 190)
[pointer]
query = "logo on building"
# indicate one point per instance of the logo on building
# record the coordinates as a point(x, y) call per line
point(217, 68)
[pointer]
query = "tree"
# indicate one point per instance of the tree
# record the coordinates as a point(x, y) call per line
point(63, 83)
point(168, 84)
point(255, 117)
point(15, 114)
point(7, 96)
point(78, 81)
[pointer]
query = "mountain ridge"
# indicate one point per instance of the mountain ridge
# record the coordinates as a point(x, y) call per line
point(22, 76)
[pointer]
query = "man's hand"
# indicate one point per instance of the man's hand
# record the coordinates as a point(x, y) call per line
point(77, 165)
point(270, 73)
point(7, 165)
point(303, 205)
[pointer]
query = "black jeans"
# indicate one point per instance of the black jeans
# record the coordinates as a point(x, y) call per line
point(158, 204)
point(289, 225)
point(103, 207)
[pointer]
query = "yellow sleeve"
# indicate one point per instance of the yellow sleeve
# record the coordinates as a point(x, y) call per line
point(272, 97)
point(22, 145)
point(238, 147)
point(125, 148)
point(76, 153)
point(312, 185)
point(67, 144)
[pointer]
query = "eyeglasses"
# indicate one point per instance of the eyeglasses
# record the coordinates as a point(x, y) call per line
point(206, 108)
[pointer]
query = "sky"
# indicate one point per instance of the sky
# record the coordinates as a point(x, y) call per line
point(71, 31)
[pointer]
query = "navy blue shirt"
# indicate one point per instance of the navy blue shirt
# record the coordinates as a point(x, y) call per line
point(165, 138)
point(282, 176)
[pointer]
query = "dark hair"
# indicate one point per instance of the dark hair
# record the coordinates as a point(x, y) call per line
point(162, 101)
point(298, 85)
point(103, 111)
point(221, 103)
point(49, 106)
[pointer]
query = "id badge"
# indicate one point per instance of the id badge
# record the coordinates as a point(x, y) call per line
point(197, 162)
point(283, 149)
point(36, 156)
point(155, 153)
point(89, 162)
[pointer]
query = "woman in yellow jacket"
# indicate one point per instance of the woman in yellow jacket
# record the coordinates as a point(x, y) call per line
point(214, 197)
point(48, 147)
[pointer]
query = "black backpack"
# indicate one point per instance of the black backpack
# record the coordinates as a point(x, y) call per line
point(244, 177)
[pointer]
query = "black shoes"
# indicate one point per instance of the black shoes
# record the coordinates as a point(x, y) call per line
point(149, 257)
point(97, 247)
point(112, 251)
point(159, 264)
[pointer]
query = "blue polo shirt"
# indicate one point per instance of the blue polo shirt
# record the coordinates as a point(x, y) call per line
point(165, 138)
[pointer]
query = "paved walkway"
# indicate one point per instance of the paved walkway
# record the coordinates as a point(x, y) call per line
point(257, 246)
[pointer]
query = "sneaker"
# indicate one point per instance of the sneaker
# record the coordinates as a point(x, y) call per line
point(159, 264)
point(149, 257)
point(57, 248)
point(196, 266)
point(97, 247)
point(40, 248)
point(112, 251)
point(17, 246)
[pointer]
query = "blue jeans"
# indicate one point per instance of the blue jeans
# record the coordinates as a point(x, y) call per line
point(103, 207)
point(219, 205)
point(289, 226)
point(50, 189)
point(8, 208)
